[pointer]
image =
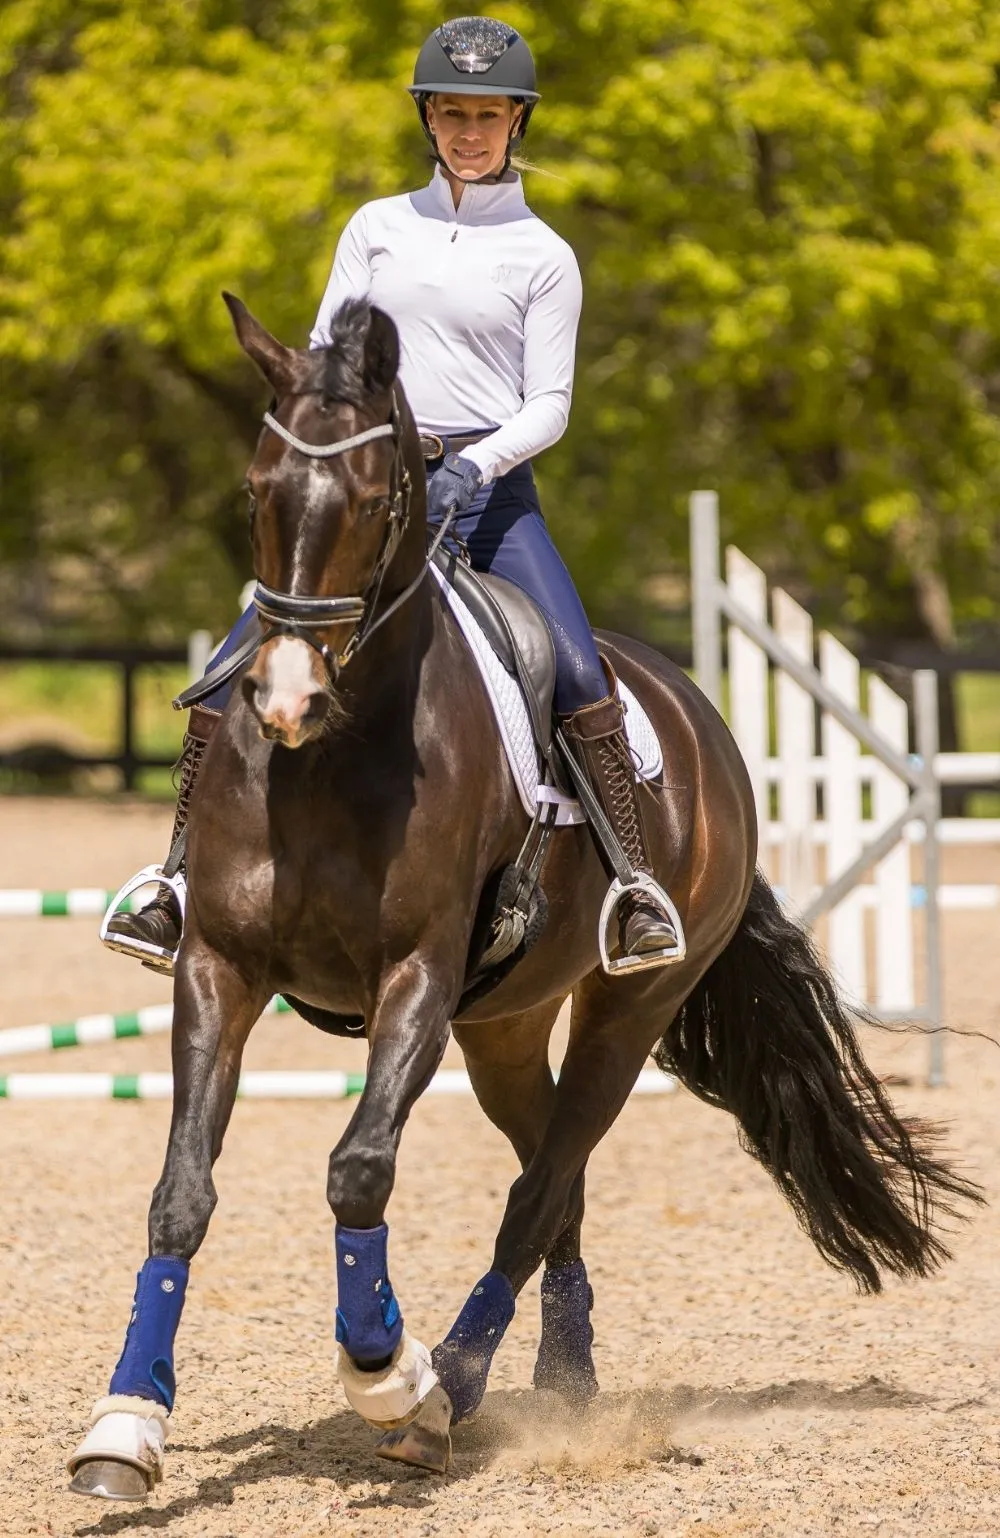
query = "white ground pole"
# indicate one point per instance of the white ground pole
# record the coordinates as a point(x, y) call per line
point(742, 601)
point(301, 1084)
point(154, 1020)
point(75, 902)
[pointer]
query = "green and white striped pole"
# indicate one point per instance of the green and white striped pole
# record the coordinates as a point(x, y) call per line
point(88, 1029)
point(77, 902)
point(330, 1085)
point(293, 1085)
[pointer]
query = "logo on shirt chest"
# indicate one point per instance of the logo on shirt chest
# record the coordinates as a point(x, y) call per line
point(500, 274)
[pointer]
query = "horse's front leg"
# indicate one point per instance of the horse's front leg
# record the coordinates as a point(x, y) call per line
point(121, 1458)
point(385, 1371)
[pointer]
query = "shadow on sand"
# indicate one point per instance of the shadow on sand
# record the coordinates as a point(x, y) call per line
point(516, 1427)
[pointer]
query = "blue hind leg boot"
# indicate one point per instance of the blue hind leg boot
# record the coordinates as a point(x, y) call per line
point(564, 1362)
point(369, 1323)
point(465, 1356)
point(146, 1365)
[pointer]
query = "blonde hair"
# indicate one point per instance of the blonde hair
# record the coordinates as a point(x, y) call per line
point(520, 165)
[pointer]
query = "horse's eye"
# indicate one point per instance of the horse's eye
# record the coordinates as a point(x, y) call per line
point(251, 507)
point(378, 507)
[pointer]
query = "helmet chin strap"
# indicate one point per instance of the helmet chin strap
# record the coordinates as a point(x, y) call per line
point(475, 181)
point(488, 177)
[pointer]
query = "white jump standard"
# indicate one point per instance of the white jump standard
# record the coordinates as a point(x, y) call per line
point(769, 632)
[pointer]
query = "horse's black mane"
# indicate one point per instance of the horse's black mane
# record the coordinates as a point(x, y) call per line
point(341, 365)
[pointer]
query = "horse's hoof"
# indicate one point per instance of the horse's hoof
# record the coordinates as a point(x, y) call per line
point(111, 1481)
point(425, 1442)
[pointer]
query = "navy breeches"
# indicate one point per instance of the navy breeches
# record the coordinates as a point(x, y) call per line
point(220, 697)
point(505, 534)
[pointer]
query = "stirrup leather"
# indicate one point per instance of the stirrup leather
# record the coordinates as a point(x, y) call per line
point(640, 883)
point(155, 956)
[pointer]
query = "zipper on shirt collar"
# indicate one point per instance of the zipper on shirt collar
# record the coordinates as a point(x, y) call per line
point(465, 203)
point(472, 195)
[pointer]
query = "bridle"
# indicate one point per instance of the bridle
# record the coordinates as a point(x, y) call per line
point(302, 615)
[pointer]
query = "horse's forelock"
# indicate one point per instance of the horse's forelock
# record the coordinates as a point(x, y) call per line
point(341, 365)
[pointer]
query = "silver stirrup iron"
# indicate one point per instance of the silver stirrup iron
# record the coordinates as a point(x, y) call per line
point(618, 889)
point(156, 956)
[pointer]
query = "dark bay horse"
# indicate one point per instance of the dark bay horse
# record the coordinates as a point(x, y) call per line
point(349, 824)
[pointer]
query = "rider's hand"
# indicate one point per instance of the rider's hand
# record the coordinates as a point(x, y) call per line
point(453, 488)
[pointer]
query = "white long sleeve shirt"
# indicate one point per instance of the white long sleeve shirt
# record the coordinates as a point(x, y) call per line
point(486, 299)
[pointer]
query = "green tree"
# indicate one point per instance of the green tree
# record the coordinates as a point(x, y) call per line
point(788, 218)
point(158, 157)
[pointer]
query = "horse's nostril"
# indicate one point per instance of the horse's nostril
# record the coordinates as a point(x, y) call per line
point(315, 711)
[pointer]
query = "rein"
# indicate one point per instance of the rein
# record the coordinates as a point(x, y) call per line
point(301, 614)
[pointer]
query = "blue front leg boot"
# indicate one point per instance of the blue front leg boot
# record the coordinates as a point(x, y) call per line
point(369, 1323)
point(146, 1366)
point(564, 1362)
point(465, 1356)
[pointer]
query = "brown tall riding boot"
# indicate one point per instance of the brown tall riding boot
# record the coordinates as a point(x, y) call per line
point(597, 733)
point(159, 923)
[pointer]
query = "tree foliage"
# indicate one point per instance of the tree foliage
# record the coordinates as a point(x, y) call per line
point(788, 218)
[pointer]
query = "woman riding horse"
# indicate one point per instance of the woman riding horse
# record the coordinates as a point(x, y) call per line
point(355, 816)
point(486, 299)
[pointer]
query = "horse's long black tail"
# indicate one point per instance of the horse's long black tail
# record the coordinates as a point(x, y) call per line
point(765, 1036)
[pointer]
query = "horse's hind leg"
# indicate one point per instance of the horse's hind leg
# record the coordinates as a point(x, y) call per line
point(509, 1069)
point(615, 1024)
point(214, 1011)
point(565, 1360)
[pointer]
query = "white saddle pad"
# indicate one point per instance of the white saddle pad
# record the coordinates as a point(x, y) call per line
point(515, 723)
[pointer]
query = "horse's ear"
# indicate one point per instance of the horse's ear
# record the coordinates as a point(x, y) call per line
point(275, 361)
point(381, 351)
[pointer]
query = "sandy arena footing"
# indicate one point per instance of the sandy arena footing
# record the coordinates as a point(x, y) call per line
point(745, 1389)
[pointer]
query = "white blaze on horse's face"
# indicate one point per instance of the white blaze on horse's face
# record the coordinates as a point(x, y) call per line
point(290, 699)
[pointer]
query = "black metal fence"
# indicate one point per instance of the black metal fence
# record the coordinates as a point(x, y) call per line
point(893, 660)
point(129, 660)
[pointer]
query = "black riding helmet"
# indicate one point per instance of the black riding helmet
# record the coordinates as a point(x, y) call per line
point(476, 56)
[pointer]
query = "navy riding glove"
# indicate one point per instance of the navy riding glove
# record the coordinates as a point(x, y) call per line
point(453, 488)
